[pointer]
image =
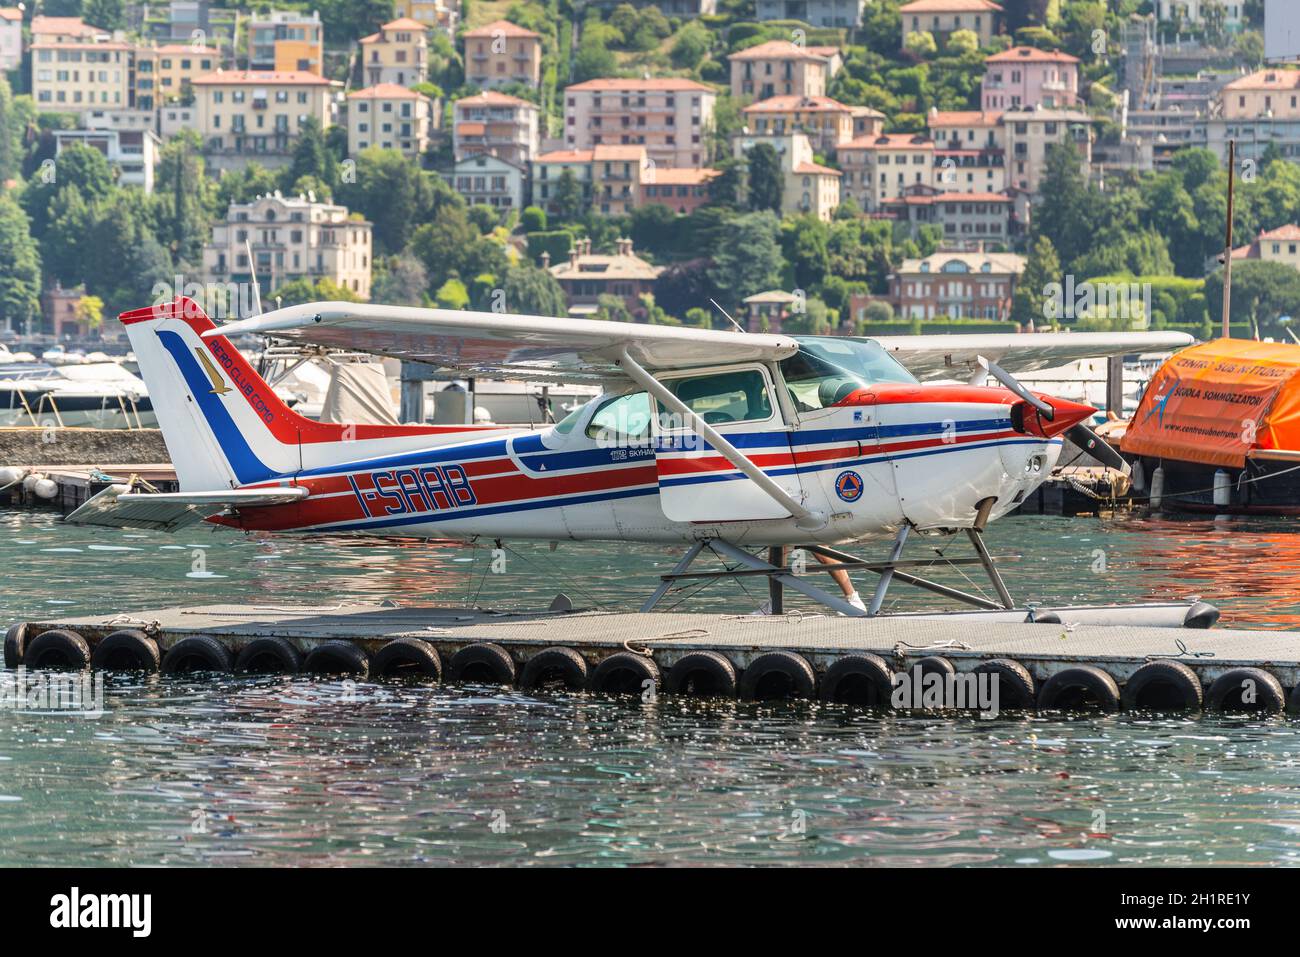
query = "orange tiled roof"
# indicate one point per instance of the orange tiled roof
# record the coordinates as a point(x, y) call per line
point(817, 169)
point(564, 156)
point(493, 98)
point(798, 104)
point(385, 91)
point(779, 50)
point(949, 6)
point(681, 175)
point(261, 78)
point(501, 28)
point(647, 83)
point(1030, 55)
point(964, 118)
point(889, 141)
point(1267, 80)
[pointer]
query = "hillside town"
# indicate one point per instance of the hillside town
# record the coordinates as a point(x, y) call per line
point(852, 166)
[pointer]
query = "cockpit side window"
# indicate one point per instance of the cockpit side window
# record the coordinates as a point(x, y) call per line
point(622, 420)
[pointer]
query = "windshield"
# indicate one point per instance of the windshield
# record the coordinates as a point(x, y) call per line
point(827, 370)
point(864, 359)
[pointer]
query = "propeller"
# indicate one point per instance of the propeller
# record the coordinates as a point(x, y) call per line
point(1079, 434)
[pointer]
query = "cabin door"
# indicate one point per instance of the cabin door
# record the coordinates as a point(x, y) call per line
point(696, 483)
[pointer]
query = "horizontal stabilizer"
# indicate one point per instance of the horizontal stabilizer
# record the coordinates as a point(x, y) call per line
point(119, 507)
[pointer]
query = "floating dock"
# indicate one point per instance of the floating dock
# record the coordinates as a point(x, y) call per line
point(1067, 659)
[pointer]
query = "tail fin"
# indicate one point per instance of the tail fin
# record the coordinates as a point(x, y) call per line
point(223, 425)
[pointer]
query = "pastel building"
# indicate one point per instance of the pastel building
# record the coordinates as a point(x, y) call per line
point(969, 151)
point(1024, 77)
point(942, 18)
point(826, 122)
point(441, 15)
point(502, 53)
point(1028, 134)
point(495, 123)
point(817, 13)
point(291, 238)
point(486, 180)
point(587, 276)
point(69, 74)
point(134, 153)
point(682, 190)
point(11, 38)
point(970, 285)
point(666, 115)
point(879, 168)
point(286, 41)
point(782, 68)
point(806, 186)
point(390, 117)
point(165, 74)
point(243, 114)
point(398, 53)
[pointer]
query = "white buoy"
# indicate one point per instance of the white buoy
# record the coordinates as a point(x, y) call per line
point(1157, 486)
point(30, 480)
point(11, 475)
point(1222, 489)
point(45, 488)
point(1138, 477)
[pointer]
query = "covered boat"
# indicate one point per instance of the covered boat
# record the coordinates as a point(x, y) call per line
point(1222, 422)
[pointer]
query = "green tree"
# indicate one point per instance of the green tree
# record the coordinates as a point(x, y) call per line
point(399, 281)
point(105, 14)
point(11, 146)
point(20, 269)
point(184, 197)
point(391, 192)
point(533, 220)
point(750, 261)
point(691, 46)
point(347, 21)
point(765, 178)
point(1042, 268)
point(569, 205)
point(1262, 292)
point(534, 292)
point(805, 242)
point(921, 44)
point(1066, 216)
point(310, 156)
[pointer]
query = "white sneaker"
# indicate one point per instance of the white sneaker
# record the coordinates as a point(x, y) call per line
point(856, 601)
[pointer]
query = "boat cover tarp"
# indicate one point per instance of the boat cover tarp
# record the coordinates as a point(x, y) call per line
point(1215, 402)
point(358, 394)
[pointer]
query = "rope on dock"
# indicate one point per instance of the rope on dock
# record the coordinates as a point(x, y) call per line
point(668, 636)
point(1183, 652)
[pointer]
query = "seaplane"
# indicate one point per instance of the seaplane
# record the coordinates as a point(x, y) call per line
point(729, 442)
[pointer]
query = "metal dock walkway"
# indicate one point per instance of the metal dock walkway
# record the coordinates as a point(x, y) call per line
point(791, 655)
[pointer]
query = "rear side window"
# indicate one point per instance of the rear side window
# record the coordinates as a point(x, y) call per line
point(725, 397)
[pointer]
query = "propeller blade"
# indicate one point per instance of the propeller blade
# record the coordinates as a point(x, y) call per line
point(1012, 383)
point(1097, 447)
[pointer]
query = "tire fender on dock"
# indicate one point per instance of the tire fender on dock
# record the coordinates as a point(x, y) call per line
point(407, 658)
point(337, 658)
point(270, 655)
point(626, 673)
point(482, 663)
point(127, 650)
point(1163, 685)
point(197, 653)
point(15, 644)
point(704, 674)
point(778, 675)
point(1015, 685)
point(1245, 689)
point(863, 680)
point(555, 666)
point(1080, 688)
point(58, 648)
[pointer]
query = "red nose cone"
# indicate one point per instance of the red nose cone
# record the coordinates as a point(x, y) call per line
point(1065, 415)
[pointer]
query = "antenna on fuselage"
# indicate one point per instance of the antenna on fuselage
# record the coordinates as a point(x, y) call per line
point(739, 327)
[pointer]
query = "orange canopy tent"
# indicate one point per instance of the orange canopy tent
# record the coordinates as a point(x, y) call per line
point(1215, 402)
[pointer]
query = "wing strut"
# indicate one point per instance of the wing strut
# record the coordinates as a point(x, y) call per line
point(804, 518)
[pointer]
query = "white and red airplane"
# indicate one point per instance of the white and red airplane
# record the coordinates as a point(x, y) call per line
point(729, 439)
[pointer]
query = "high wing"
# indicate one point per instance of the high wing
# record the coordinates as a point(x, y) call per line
point(506, 345)
point(956, 357)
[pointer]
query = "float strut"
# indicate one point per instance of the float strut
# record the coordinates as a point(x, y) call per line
point(887, 576)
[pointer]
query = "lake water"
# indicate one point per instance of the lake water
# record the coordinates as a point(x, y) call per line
point(293, 771)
